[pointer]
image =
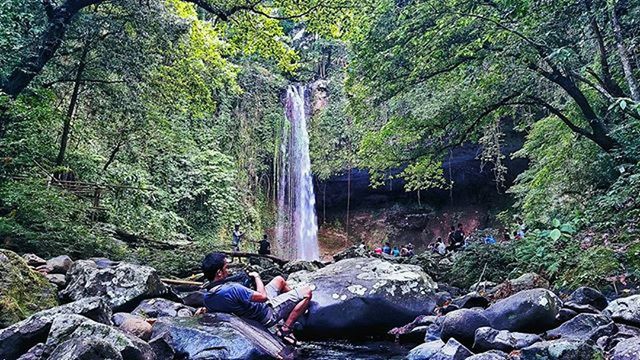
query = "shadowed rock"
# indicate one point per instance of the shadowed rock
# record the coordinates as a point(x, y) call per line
point(529, 311)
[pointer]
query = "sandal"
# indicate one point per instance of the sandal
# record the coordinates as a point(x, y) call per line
point(286, 335)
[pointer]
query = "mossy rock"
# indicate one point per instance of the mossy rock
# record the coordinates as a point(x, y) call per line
point(23, 291)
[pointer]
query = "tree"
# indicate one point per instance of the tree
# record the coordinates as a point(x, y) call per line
point(442, 71)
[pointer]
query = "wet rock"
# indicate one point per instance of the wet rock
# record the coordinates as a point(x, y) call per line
point(34, 260)
point(18, 338)
point(628, 349)
point(487, 338)
point(625, 310)
point(60, 264)
point(122, 286)
point(22, 291)
point(59, 280)
point(426, 350)
point(219, 336)
point(71, 327)
point(452, 350)
point(155, 308)
point(584, 327)
point(91, 348)
point(161, 347)
point(301, 265)
point(588, 296)
point(581, 309)
point(462, 325)
point(490, 355)
point(351, 252)
point(471, 300)
point(563, 349)
point(364, 296)
point(529, 311)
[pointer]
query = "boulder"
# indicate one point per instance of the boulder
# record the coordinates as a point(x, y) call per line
point(59, 280)
point(565, 315)
point(34, 260)
point(584, 327)
point(92, 348)
point(426, 350)
point(526, 281)
point(60, 264)
point(462, 325)
point(487, 338)
point(562, 349)
point(35, 353)
point(301, 265)
point(529, 311)
point(18, 338)
point(155, 308)
point(220, 336)
point(490, 355)
point(122, 286)
point(628, 349)
point(452, 350)
point(67, 327)
point(364, 296)
point(137, 327)
point(351, 252)
point(23, 291)
point(588, 296)
point(161, 347)
point(625, 310)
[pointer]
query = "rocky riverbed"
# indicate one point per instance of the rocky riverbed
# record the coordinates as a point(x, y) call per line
point(363, 308)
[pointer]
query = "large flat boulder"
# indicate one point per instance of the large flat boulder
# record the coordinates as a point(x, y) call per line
point(121, 285)
point(220, 336)
point(364, 296)
point(529, 311)
point(585, 327)
point(23, 291)
point(20, 337)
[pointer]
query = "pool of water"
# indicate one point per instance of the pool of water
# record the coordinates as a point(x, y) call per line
point(343, 350)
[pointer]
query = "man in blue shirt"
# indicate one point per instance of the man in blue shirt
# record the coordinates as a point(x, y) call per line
point(268, 304)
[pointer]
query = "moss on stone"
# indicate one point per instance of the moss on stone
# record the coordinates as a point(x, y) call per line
point(23, 291)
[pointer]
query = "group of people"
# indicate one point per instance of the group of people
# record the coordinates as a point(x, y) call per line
point(386, 248)
point(455, 241)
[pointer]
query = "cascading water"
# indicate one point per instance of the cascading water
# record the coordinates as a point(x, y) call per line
point(297, 227)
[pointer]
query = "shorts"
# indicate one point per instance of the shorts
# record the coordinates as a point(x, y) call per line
point(280, 305)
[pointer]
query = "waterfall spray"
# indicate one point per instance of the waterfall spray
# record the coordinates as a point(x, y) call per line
point(297, 227)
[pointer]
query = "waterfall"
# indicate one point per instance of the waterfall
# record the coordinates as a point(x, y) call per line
point(297, 226)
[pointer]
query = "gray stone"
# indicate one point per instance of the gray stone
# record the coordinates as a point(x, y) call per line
point(452, 350)
point(155, 308)
point(58, 280)
point(60, 264)
point(122, 286)
point(91, 348)
point(301, 265)
point(584, 327)
point(625, 310)
point(351, 252)
point(425, 351)
point(562, 349)
point(35, 353)
point(529, 311)
point(490, 355)
point(462, 325)
point(69, 326)
point(628, 349)
point(34, 260)
point(137, 327)
point(565, 315)
point(589, 297)
point(364, 296)
point(220, 336)
point(471, 300)
point(19, 337)
point(491, 339)
point(161, 347)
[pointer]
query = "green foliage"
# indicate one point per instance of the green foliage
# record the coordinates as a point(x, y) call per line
point(499, 260)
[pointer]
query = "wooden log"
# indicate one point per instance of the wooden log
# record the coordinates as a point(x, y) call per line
point(181, 282)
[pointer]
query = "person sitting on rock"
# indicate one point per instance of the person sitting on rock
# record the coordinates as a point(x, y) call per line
point(386, 248)
point(395, 252)
point(268, 304)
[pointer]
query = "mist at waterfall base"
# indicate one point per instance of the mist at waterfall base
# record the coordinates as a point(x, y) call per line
point(297, 225)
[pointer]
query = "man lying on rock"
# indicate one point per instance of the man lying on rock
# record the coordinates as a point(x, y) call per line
point(268, 304)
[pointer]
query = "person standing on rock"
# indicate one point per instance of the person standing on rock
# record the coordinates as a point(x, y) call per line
point(237, 237)
point(265, 246)
point(268, 305)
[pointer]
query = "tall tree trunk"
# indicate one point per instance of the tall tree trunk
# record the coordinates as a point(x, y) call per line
point(73, 104)
point(623, 52)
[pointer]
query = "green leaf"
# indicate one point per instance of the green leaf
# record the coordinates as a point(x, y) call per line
point(623, 104)
point(556, 223)
point(555, 234)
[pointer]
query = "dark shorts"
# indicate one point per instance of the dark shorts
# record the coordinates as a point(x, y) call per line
point(280, 305)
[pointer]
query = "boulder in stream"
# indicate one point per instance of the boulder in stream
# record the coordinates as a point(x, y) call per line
point(529, 311)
